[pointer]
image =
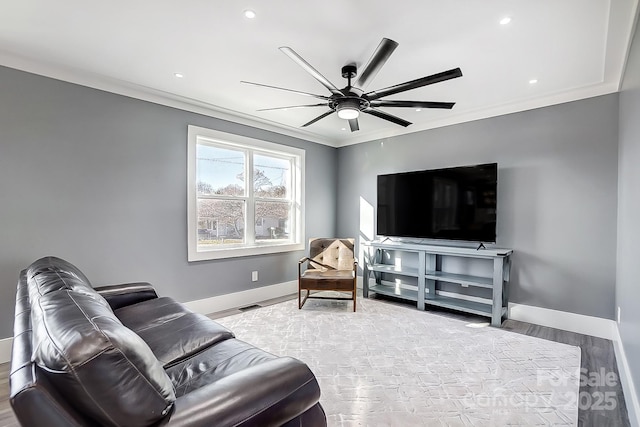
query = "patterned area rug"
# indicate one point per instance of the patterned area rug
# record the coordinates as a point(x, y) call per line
point(389, 365)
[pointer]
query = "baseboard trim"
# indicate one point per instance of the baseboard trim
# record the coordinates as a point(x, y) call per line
point(5, 349)
point(628, 388)
point(579, 323)
point(243, 298)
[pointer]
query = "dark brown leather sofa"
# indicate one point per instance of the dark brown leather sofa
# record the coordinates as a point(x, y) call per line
point(121, 356)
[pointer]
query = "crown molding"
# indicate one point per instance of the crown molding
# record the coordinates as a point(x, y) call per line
point(132, 90)
point(498, 110)
point(144, 93)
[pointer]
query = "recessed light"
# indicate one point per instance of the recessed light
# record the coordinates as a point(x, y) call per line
point(343, 129)
point(178, 75)
point(533, 81)
point(250, 14)
point(505, 20)
point(418, 109)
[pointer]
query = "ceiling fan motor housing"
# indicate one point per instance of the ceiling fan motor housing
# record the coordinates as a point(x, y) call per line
point(348, 102)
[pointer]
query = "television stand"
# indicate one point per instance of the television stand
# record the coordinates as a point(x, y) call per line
point(432, 275)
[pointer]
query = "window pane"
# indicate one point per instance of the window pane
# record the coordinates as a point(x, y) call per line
point(220, 222)
point(219, 170)
point(271, 177)
point(272, 221)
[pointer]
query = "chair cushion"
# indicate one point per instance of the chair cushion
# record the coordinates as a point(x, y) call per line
point(335, 280)
point(172, 331)
point(219, 361)
point(328, 274)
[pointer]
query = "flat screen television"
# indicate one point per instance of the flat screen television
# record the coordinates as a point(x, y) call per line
point(457, 203)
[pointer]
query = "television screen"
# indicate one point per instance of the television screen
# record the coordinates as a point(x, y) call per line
point(454, 204)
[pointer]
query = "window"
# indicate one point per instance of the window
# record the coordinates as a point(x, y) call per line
point(244, 196)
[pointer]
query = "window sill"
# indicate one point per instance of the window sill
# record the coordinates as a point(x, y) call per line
point(231, 252)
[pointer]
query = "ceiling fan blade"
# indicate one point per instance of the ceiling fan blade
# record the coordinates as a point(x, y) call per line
point(293, 106)
point(353, 124)
point(288, 90)
point(413, 104)
point(387, 116)
point(378, 59)
point(309, 69)
point(413, 84)
point(321, 116)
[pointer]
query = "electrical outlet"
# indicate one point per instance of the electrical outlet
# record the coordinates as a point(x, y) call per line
point(618, 314)
point(254, 276)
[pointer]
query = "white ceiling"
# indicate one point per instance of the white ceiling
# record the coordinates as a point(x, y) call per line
point(574, 48)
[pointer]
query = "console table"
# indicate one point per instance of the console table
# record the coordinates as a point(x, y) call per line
point(425, 264)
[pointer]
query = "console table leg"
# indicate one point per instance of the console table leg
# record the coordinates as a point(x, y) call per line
point(365, 281)
point(421, 280)
point(498, 277)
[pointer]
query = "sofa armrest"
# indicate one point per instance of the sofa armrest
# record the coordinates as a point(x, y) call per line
point(126, 293)
point(268, 394)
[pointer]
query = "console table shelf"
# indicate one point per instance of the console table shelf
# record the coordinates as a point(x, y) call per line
point(461, 279)
point(403, 271)
point(481, 309)
point(395, 291)
point(431, 277)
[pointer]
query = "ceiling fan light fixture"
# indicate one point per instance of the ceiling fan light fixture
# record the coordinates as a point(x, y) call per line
point(348, 109)
point(348, 113)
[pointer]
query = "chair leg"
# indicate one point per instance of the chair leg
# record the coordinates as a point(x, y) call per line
point(301, 303)
point(354, 292)
point(299, 298)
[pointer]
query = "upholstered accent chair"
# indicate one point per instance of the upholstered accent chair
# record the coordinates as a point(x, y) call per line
point(331, 266)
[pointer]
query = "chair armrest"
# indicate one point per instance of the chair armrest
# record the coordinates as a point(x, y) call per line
point(304, 259)
point(126, 293)
point(268, 394)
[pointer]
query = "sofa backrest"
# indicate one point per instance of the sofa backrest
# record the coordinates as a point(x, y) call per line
point(50, 274)
point(28, 387)
point(103, 369)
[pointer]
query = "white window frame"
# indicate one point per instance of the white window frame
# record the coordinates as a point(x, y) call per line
point(198, 134)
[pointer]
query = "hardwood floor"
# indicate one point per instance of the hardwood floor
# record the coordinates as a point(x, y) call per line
point(6, 414)
point(598, 361)
point(598, 357)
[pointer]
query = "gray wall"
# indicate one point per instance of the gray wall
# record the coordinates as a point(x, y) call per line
point(628, 274)
point(100, 180)
point(557, 194)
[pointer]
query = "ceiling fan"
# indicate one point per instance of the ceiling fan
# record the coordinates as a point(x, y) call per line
point(352, 100)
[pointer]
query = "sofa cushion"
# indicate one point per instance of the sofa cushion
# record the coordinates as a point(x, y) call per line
point(156, 311)
point(172, 331)
point(103, 368)
point(215, 363)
